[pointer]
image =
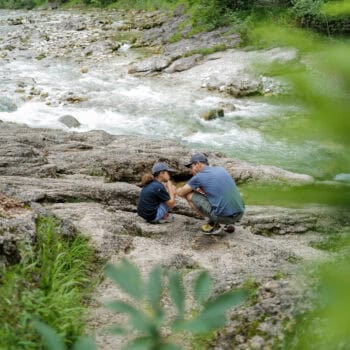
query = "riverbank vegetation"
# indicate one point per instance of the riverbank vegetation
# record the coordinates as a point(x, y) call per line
point(51, 283)
point(209, 14)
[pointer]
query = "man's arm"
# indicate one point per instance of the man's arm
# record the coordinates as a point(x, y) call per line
point(184, 190)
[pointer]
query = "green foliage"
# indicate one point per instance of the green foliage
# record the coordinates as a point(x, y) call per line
point(54, 342)
point(147, 316)
point(49, 284)
point(297, 196)
point(323, 90)
point(332, 242)
point(310, 14)
point(17, 4)
point(326, 325)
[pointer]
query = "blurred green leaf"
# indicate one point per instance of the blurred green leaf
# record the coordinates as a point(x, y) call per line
point(137, 318)
point(141, 343)
point(203, 324)
point(116, 330)
point(51, 339)
point(213, 315)
point(202, 287)
point(169, 347)
point(154, 287)
point(127, 277)
point(336, 8)
point(222, 303)
point(177, 292)
point(84, 343)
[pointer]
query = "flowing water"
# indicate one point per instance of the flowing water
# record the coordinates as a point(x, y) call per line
point(152, 107)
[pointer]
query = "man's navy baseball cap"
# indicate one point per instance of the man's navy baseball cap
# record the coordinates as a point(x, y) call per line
point(158, 167)
point(198, 157)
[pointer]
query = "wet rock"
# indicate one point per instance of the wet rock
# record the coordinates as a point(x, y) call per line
point(75, 99)
point(239, 86)
point(69, 121)
point(40, 56)
point(84, 70)
point(7, 105)
point(212, 114)
point(25, 81)
point(183, 64)
point(152, 64)
point(227, 106)
point(15, 21)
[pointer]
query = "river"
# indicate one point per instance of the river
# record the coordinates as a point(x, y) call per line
point(35, 91)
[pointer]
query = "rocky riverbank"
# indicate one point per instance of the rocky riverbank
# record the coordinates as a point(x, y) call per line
point(90, 181)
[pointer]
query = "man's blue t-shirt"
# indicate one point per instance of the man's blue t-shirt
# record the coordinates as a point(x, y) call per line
point(150, 198)
point(220, 189)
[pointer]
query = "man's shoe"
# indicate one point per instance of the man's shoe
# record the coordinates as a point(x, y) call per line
point(229, 228)
point(211, 229)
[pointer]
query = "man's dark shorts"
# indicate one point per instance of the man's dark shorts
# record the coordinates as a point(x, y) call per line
point(202, 204)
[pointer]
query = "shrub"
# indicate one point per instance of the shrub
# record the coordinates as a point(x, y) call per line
point(309, 14)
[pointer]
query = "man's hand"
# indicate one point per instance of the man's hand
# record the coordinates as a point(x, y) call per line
point(184, 190)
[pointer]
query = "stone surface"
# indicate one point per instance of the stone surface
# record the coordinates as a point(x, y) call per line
point(53, 153)
point(69, 121)
point(212, 114)
point(152, 64)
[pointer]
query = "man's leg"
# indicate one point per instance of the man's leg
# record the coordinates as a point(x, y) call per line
point(229, 221)
point(200, 204)
point(189, 197)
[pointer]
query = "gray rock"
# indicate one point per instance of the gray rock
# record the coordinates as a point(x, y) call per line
point(271, 220)
point(257, 342)
point(212, 114)
point(183, 64)
point(51, 153)
point(25, 81)
point(69, 121)
point(210, 40)
point(180, 261)
point(239, 86)
point(152, 64)
point(227, 106)
point(7, 105)
point(12, 231)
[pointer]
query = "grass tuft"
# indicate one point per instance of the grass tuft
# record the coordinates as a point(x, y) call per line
point(50, 284)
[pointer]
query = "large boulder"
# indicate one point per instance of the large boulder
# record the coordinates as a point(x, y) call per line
point(53, 153)
point(239, 86)
point(183, 64)
point(152, 64)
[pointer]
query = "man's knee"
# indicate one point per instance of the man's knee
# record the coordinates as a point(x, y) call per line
point(189, 196)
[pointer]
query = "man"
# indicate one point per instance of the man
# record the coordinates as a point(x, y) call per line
point(158, 195)
point(213, 193)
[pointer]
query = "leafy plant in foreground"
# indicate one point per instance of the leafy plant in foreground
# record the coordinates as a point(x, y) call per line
point(54, 342)
point(147, 316)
